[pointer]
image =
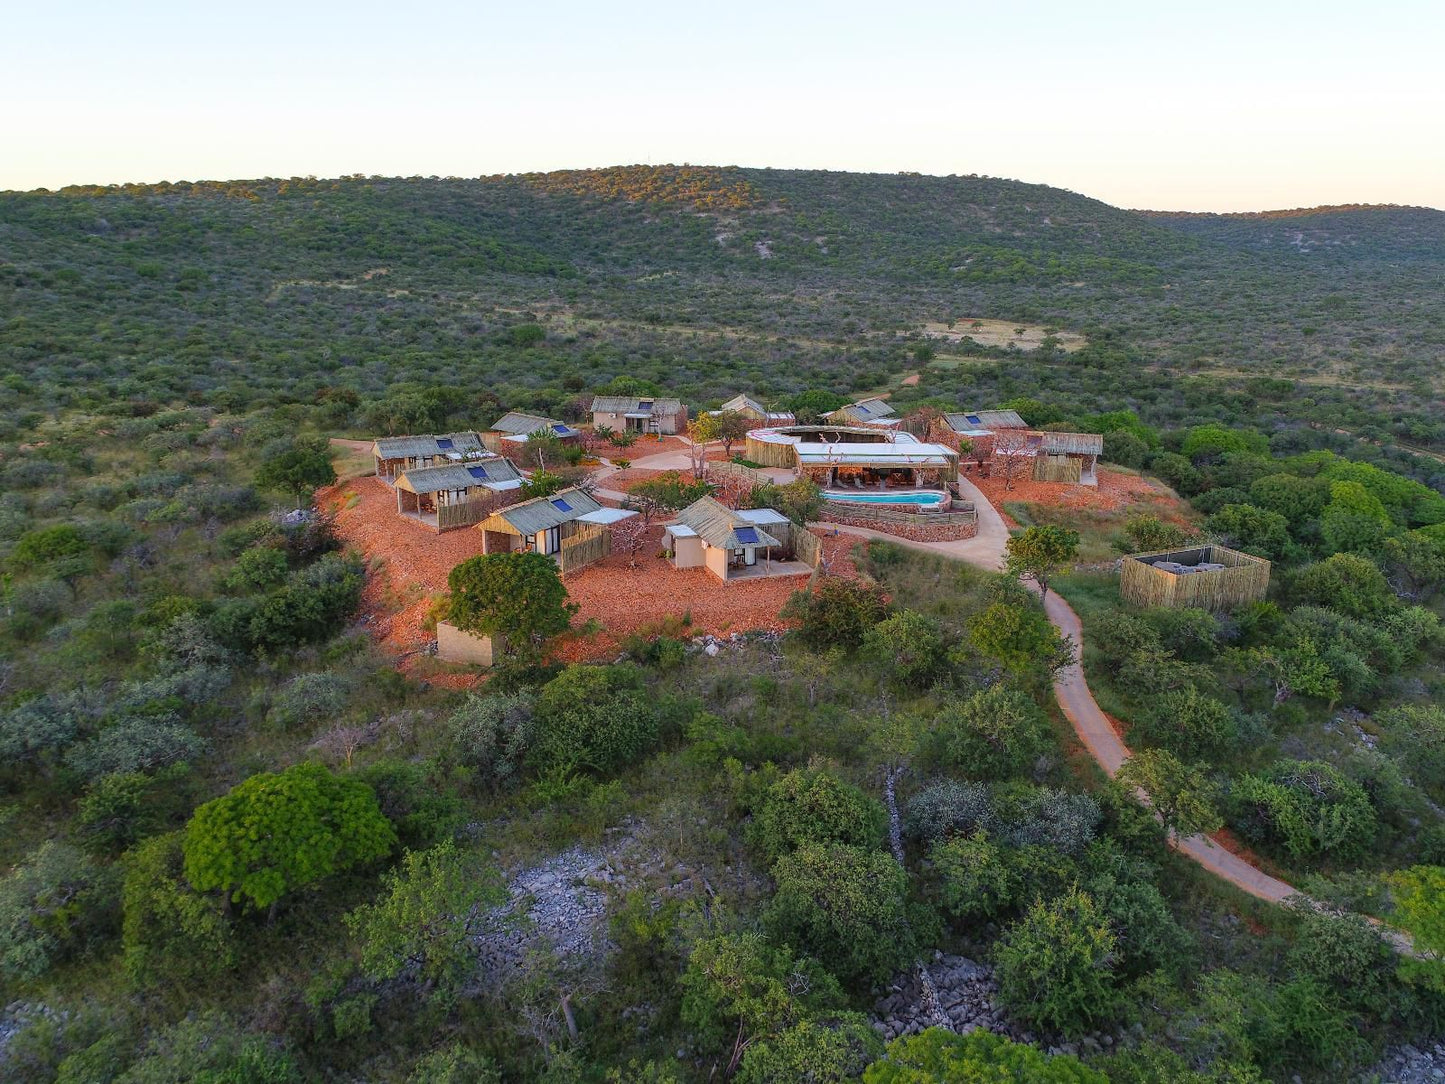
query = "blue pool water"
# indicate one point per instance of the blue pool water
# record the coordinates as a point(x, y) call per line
point(864, 496)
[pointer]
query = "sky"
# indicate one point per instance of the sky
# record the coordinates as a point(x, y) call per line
point(1223, 106)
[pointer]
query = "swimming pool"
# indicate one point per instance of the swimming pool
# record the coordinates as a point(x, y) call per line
point(933, 500)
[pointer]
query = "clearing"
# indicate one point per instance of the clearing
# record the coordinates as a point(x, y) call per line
point(1004, 333)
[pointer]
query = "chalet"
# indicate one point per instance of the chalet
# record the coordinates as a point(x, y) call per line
point(977, 427)
point(514, 428)
point(570, 526)
point(1056, 457)
point(455, 495)
point(755, 411)
point(638, 414)
point(708, 534)
point(394, 455)
point(865, 412)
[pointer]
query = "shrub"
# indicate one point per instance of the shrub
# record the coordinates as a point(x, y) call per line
point(310, 607)
point(1042, 816)
point(1147, 531)
point(1253, 530)
point(1346, 583)
point(52, 905)
point(258, 569)
point(908, 647)
point(846, 907)
point(1307, 807)
point(275, 833)
point(821, 1052)
point(596, 717)
point(48, 546)
point(1349, 956)
point(837, 614)
point(308, 700)
point(421, 807)
point(977, 878)
point(493, 734)
point(996, 733)
point(938, 1056)
point(1019, 635)
point(814, 806)
point(944, 809)
point(1055, 966)
point(1188, 723)
point(170, 932)
point(136, 743)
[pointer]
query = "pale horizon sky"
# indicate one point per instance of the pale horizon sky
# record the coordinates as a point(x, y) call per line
point(1225, 107)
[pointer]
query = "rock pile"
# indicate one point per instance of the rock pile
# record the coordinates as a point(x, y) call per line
point(1424, 1064)
point(965, 995)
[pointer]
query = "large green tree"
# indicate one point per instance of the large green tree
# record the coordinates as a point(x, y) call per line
point(1040, 553)
point(937, 1056)
point(297, 468)
point(1181, 795)
point(516, 598)
point(279, 832)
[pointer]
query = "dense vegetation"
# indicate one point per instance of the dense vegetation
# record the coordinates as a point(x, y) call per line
point(241, 847)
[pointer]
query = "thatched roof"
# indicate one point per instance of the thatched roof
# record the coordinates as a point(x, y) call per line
point(542, 513)
point(864, 410)
point(719, 526)
point(1072, 443)
point(622, 404)
point(970, 421)
point(426, 444)
point(494, 473)
point(518, 424)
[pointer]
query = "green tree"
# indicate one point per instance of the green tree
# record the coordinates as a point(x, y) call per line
point(1188, 724)
point(170, 932)
point(810, 805)
point(938, 1056)
point(1021, 638)
point(1346, 583)
point(1416, 563)
point(1181, 795)
point(737, 987)
point(1309, 807)
point(297, 468)
point(800, 500)
point(731, 427)
point(1419, 897)
point(1354, 521)
point(542, 483)
point(667, 492)
point(810, 406)
point(516, 598)
point(996, 733)
point(976, 877)
point(908, 647)
point(423, 922)
point(276, 833)
point(596, 717)
point(52, 904)
point(838, 614)
point(1254, 530)
point(828, 1051)
point(1055, 966)
point(1147, 532)
point(1298, 499)
point(844, 905)
point(1040, 553)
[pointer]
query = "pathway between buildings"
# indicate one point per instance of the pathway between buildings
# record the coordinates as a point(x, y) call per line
point(986, 550)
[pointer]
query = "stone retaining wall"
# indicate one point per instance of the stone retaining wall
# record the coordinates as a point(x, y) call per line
point(922, 531)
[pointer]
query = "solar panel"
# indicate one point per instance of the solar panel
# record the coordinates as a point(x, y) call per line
point(973, 419)
point(444, 443)
point(644, 404)
point(748, 536)
point(561, 506)
point(477, 472)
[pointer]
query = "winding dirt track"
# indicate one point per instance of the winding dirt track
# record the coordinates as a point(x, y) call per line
point(986, 550)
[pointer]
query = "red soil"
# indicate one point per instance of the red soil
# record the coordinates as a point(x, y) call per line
point(1114, 492)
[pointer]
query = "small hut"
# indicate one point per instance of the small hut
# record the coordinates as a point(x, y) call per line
point(394, 455)
point(709, 534)
point(1211, 577)
point(510, 432)
point(455, 495)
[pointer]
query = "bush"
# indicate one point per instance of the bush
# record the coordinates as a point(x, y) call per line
point(258, 569)
point(1042, 816)
point(1253, 530)
point(938, 1056)
point(308, 700)
point(310, 607)
point(136, 743)
point(1349, 956)
point(597, 717)
point(944, 809)
point(814, 806)
point(846, 907)
point(837, 614)
point(977, 878)
point(1055, 966)
point(170, 932)
point(52, 906)
point(1188, 724)
point(1146, 532)
point(421, 807)
point(1307, 807)
point(997, 733)
point(493, 734)
point(908, 647)
point(820, 1052)
point(1346, 583)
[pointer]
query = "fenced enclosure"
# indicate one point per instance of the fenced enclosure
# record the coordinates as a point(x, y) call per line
point(466, 514)
point(1242, 578)
point(1058, 468)
point(736, 471)
point(589, 543)
point(807, 547)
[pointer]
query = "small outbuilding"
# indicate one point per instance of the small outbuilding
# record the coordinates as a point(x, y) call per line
point(1211, 577)
point(394, 455)
point(570, 526)
point(872, 411)
point(755, 411)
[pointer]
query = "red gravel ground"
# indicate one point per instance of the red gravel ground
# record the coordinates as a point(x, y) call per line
point(408, 567)
point(1114, 491)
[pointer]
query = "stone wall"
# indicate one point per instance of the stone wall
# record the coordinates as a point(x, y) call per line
point(922, 531)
